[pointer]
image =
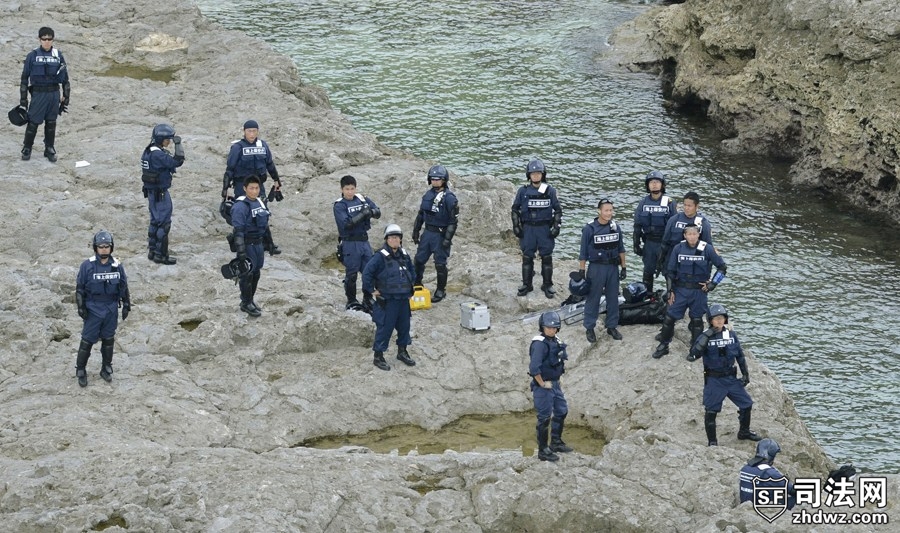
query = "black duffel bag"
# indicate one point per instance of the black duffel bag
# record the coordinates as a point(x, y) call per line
point(650, 310)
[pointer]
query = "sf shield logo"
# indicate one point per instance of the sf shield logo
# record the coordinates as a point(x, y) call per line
point(770, 497)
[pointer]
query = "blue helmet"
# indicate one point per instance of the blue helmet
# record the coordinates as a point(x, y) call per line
point(225, 208)
point(655, 175)
point(717, 310)
point(103, 237)
point(635, 292)
point(536, 165)
point(579, 285)
point(162, 132)
point(549, 319)
point(767, 449)
point(438, 171)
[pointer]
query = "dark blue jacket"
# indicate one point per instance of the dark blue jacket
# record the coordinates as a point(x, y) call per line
point(344, 210)
point(675, 229)
point(601, 242)
point(651, 217)
point(157, 167)
point(537, 205)
point(764, 471)
point(45, 68)
point(439, 207)
point(688, 265)
point(249, 218)
point(247, 159)
point(720, 350)
point(392, 273)
point(101, 285)
point(548, 358)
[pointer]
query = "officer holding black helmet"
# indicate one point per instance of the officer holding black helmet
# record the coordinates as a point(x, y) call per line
point(157, 168)
point(251, 156)
point(250, 218)
point(439, 213)
point(536, 221)
point(42, 75)
point(603, 248)
point(389, 277)
point(547, 364)
point(650, 218)
point(353, 214)
point(720, 349)
point(101, 287)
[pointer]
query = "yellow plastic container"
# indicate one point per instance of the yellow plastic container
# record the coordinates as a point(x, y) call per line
point(421, 298)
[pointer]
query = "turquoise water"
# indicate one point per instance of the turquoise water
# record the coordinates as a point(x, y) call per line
point(483, 88)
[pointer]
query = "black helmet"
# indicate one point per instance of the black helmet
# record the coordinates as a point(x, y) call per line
point(18, 116)
point(717, 310)
point(225, 209)
point(438, 171)
point(549, 319)
point(578, 284)
point(103, 237)
point(535, 165)
point(767, 449)
point(655, 175)
point(393, 229)
point(635, 292)
point(162, 132)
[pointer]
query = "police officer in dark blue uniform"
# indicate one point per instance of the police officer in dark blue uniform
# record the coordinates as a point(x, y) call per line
point(157, 168)
point(536, 220)
point(251, 156)
point(439, 212)
point(43, 73)
point(547, 364)
point(675, 228)
point(389, 277)
point(603, 248)
point(720, 348)
point(250, 218)
point(100, 289)
point(688, 282)
point(650, 218)
point(353, 214)
point(761, 467)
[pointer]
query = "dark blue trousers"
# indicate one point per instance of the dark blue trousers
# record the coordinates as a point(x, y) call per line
point(393, 314)
point(604, 282)
point(717, 389)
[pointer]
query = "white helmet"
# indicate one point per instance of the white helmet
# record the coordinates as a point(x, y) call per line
point(393, 229)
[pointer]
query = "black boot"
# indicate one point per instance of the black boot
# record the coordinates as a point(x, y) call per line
point(403, 356)
point(247, 306)
point(440, 293)
point(591, 335)
point(151, 240)
point(30, 134)
point(547, 276)
point(420, 271)
point(380, 362)
point(744, 432)
point(544, 451)
point(368, 302)
point(648, 281)
point(163, 256)
point(350, 293)
point(556, 443)
point(269, 244)
point(527, 276)
point(254, 283)
point(84, 353)
point(665, 337)
point(695, 326)
point(709, 420)
point(106, 352)
point(49, 139)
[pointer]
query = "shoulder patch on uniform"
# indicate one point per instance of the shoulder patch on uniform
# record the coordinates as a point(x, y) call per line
point(115, 262)
point(538, 338)
point(240, 198)
point(664, 201)
point(360, 197)
point(235, 141)
point(385, 252)
point(543, 188)
point(54, 52)
point(701, 245)
point(339, 199)
point(612, 225)
point(92, 258)
point(698, 220)
point(259, 143)
point(154, 148)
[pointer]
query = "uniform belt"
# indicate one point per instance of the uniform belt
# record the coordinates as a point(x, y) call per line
point(653, 238)
point(436, 229)
point(605, 262)
point(44, 88)
point(721, 373)
point(106, 299)
point(355, 238)
point(242, 178)
point(538, 222)
point(687, 285)
point(253, 240)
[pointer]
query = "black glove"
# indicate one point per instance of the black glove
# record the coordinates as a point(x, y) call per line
point(126, 308)
point(638, 250)
point(179, 149)
point(23, 103)
point(23, 94)
point(240, 246)
point(710, 286)
point(415, 237)
point(623, 274)
point(577, 276)
point(380, 301)
point(446, 243)
point(82, 306)
point(63, 107)
point(554, 231)
point(692, 357)
point(517, 224)
point(745, 379)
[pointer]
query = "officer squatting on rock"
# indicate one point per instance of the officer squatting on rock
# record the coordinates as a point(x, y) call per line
point(439, 212)
point(389, 277)
point(536, 221)
point(101, 287)
point(650, 218)
point(688, 282)
point(547, 355)
point(250, 218)
point(157, 168)
point(720, 349)
point(353, 214)
point(602, 251)
point(251, 156)
point(761, 466)
point(43, 73)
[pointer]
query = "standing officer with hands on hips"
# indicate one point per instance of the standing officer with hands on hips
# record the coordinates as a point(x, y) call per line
point(547, 364)
point(100, 288)
point(389, 277)
point(251, 156)
point(157, 168)
point(603, 248)
point(43, 73)
point(650, 218)
point(353, 214)
point(439, 212)
point(536, 220)
point(250, 219)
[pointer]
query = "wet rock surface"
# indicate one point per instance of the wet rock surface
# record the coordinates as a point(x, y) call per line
point(200, 429)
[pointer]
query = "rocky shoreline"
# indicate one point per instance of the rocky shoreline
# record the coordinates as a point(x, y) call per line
point(201, 428)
